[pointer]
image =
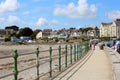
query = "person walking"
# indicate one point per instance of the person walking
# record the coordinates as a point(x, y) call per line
point(117, 45)
point(93, 44)
point(90, 44)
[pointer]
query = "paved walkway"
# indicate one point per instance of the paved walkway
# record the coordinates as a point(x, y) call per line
point(98, 67)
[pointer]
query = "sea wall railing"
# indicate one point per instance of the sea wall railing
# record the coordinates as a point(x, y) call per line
point(46, 63)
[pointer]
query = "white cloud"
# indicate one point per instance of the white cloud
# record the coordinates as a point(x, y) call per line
point(2, 19)
point(26, 12)
point(57, 23)
point(8, 5)
point(44, 23)
point(114, 15)
point(13, 19)
point(83, 10)
point(41, 22)
point(39, 0)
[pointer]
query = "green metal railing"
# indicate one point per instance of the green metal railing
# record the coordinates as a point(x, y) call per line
point(66, 56)
point(15, 65)
point(37, 60)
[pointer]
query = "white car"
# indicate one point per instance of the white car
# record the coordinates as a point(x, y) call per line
point(30, 41)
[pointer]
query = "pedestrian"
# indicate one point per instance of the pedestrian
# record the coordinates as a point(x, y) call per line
point(117, 45)
point(93, 44)
point(90, 44)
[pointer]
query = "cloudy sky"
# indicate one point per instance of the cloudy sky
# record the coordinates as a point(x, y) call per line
point(57, 14)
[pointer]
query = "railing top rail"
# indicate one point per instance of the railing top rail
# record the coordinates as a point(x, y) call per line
point(9, 56)
point(28, 53)
point(10, 74)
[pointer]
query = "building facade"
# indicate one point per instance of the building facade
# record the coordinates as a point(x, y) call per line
point(11, 29)
point(2, 32)
point(111, 29)
point(117, 24)
point(105, 29)
point(93, 32)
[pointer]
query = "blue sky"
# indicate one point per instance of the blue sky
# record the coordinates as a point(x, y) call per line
point(57, 14)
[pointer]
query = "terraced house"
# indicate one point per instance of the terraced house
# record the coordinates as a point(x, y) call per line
point(2, 33)
point(111, 29)
point(11, 29)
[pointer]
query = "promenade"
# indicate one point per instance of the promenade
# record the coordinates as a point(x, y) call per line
point(97, 66)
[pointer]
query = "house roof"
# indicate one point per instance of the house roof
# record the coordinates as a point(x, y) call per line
point(106, 24)
point(12, 27)
point(117, 23)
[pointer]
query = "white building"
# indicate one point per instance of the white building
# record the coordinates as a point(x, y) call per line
point(39, 35)
point(111, 29)
point(105, 29)
point(117, 25)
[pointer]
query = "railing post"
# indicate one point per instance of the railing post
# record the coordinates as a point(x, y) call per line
point(74, 52)
point(80, 49)
point(66, 56)
point(37, 61)
point(15, 65)
point(77, 51)
point(87, 47)
point(71, 54)
point(80, 46)
point(59, 58)
point(83, 49)
point(50, 61)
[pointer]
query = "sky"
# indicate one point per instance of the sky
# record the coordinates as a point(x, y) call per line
point(57, 14)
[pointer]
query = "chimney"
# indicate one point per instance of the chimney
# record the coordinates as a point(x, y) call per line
point(117, 19)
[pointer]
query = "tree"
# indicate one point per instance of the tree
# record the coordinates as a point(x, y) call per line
point(81, 30)
point(7, 37)
point(24, 32)
point(46, 39)
point(96, 28)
